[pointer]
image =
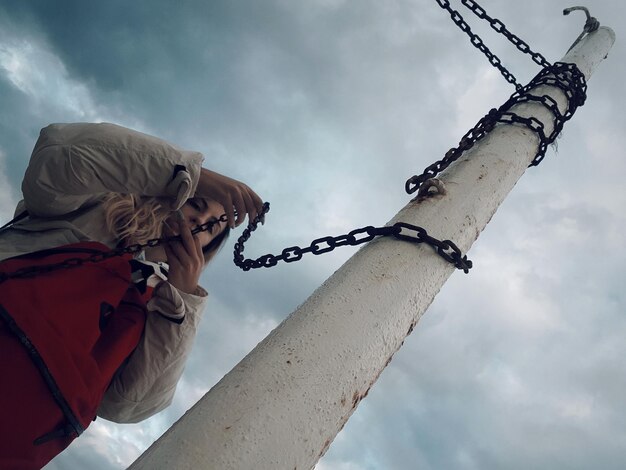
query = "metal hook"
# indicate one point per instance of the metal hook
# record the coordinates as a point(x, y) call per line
point(429, 188)
point(567, 11)
point(591, 24)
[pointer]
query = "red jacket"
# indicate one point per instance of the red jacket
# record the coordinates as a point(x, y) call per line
point(63, 335)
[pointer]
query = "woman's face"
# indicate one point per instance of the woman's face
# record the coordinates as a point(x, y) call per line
point(196, 211)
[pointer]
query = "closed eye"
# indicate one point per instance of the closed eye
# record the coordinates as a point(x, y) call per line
point(194, 204)
point(215, 223)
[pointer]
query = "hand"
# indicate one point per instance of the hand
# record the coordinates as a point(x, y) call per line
point(230, 193)
point(184, 257)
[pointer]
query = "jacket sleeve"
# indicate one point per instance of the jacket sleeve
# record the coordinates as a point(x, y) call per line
point(146, 384)
point(74, 164)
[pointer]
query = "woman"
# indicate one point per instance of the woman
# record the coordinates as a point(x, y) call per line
point(106, 183)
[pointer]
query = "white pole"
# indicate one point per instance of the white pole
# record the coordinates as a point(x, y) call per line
point(284, 403)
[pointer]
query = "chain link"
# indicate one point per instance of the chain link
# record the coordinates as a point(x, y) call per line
point(497, 26)
point(400, 230)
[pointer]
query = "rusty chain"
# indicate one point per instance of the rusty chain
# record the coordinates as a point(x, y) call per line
point(566, 77)
point(400, 230)
point(499, 27)
point(31, 271)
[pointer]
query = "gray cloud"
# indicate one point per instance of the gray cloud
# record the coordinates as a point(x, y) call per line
point(326, 109)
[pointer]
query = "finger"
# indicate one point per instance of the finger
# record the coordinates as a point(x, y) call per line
point(250, 207)
point(257, 204)
point(188, 240)
point(172, 258)
point(230, 212)
point(193, 245)
point(240, 206)
point(168, 230)
point(257, 201)
point(197, 244)
point(177, 247)
point(199, 253)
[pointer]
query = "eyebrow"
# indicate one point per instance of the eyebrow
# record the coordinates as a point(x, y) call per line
point(203, 204)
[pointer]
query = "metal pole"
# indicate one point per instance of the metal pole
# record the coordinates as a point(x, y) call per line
point(285, 402)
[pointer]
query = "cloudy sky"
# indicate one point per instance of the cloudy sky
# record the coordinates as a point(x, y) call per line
point(325, 108)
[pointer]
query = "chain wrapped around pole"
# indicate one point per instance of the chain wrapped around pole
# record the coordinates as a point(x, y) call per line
point(402, 231)
point(566, 77)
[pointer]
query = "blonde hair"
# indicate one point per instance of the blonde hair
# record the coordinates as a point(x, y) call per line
point(137, 219)
point(134, 219)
